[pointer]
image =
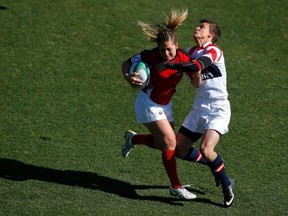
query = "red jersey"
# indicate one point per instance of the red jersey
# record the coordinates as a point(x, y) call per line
point(164, 82)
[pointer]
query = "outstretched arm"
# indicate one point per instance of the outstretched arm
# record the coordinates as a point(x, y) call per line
point(194, 66)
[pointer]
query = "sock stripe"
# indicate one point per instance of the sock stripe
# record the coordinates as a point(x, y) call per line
point(199, 157)
point(220, 168)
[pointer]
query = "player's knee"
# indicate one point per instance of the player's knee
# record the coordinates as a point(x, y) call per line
point(170, 142)
point(207, 152)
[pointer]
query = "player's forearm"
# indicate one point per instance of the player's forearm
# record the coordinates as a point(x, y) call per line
point(194, 66)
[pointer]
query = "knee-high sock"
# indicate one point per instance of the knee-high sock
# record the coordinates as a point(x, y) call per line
point(144, 139)
point(195, 155)
point(218, 168)
point(169, 162)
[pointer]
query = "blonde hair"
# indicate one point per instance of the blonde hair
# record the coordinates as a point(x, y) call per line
point(164, 32)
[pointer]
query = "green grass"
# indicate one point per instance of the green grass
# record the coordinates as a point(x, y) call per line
point(64, 107)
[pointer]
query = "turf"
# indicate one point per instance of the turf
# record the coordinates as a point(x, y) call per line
point(64, 107)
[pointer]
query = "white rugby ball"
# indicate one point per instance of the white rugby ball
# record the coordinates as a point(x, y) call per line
point(143, 72)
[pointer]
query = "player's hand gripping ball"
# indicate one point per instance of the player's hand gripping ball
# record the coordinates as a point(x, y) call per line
point(143, 72)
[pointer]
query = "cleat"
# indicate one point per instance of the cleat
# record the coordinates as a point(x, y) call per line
point(182, 193)
point(128, 145)
point(228, 194)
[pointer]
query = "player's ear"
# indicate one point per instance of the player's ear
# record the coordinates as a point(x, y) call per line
point(176, 44)
point(210, 36)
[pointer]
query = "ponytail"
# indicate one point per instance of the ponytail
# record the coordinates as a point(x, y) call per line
point(161, 33)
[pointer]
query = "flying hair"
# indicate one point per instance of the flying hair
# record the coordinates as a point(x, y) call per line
point(164, 32)
point(175, 19)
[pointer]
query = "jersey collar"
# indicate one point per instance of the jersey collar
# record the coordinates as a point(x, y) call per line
point(204, 46)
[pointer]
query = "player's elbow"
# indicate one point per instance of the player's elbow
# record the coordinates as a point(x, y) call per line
point(125, 66)
point(195, 84)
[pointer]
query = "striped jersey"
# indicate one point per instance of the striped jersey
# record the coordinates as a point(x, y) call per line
point(214, 76)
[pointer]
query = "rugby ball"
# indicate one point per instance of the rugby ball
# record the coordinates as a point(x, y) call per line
point(143, 72)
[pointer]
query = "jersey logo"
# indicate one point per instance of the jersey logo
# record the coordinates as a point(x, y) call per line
point(210, 72)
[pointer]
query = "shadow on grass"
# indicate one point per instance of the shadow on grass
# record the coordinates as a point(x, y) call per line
point(19, 171)
point(3, 8)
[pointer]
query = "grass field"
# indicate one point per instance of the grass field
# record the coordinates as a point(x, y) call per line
point(64, 107)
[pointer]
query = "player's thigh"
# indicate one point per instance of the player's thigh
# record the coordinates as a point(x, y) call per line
point(163, 133)
point(185, 139)
point(209, 141)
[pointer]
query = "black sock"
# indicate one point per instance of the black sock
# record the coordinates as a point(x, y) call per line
point(218, 168)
